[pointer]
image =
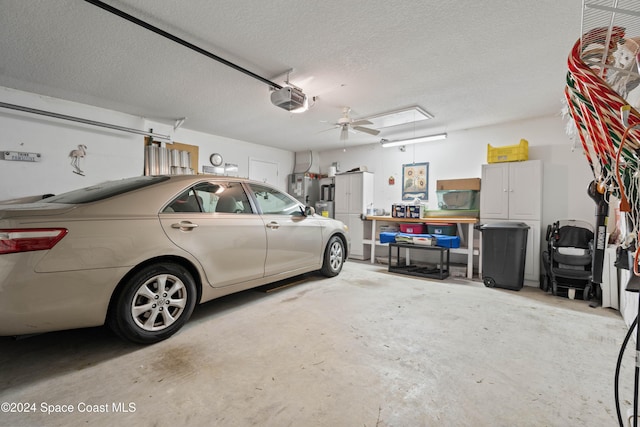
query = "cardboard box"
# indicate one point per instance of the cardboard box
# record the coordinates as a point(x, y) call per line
point(458, 184)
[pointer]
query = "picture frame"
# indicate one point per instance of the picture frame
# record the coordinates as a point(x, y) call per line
point(415, 181)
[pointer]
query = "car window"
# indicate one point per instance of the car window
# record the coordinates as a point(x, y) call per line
point(232, 199)
point(272, 201)
point(105, 190)
point(212, 198)
point(187, 201)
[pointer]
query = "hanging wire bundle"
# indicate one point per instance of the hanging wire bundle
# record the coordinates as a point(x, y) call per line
point(603, 97)
point(607, 126)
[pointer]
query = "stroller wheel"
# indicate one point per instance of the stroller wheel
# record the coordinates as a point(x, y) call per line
point(586, 294)
point(554, 287)
point(489, 282)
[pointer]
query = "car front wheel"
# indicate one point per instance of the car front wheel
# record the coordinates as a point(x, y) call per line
point(154, 304)
point(333, 257)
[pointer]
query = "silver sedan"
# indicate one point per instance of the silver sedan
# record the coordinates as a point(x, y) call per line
point(138, 254)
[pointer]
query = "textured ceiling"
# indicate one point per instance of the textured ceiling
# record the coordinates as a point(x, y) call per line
point(469, 63)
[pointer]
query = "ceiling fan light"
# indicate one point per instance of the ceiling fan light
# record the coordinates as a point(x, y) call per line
point(387, 143)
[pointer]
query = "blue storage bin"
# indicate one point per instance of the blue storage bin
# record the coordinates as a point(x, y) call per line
point(387, 237)
point(443, 241)
point(447, 241)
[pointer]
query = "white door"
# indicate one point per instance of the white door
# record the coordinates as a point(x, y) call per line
point(263, 171)
point(356, 231)
point(342, 194)
point(494, 197)
point(525, 184)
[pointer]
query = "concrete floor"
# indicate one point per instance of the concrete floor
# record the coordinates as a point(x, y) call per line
point(366, 348)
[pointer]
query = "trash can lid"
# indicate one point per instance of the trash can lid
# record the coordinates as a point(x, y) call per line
point(504, 225)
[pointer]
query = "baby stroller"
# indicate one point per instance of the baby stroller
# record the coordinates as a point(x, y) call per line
point(568, 259)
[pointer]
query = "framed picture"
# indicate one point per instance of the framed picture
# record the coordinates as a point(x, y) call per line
point(415, 181)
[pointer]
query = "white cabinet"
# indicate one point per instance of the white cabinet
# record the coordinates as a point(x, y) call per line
point(353, 194)
point(513, 192)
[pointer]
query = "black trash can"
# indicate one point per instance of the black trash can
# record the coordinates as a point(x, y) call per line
point(504, 249)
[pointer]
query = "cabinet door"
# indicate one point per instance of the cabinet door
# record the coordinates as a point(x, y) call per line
point(356, 231)
point(525, 188)
point(355, 194)
point(342, 193)
point(494, 196)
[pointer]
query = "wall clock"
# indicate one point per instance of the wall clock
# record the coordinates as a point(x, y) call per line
point(216, 159)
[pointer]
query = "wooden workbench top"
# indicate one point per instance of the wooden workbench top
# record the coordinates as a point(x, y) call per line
point(434, 220)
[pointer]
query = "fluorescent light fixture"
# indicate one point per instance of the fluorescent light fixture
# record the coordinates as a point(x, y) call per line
point(387, 143)
point(403, 116)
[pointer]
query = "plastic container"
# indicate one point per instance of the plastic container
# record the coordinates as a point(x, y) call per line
point(442, 229)
point(412, 228)
point(447, 241)
point(426, 239)
point(504, 250)
point(387, 237)
point(446, 213)
point(457, 199)
point(509, 153)
point(391, 228)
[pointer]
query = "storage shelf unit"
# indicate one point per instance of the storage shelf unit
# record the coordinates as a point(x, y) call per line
point(464, 249)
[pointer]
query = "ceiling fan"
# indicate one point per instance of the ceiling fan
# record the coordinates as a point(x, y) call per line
point(347, 124)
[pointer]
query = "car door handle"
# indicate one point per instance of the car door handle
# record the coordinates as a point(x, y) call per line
point(273, 225)
point(184, 225)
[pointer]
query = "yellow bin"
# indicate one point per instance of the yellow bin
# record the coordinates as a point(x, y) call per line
point(508, 153)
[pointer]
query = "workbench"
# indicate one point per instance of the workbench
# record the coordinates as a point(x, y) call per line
point(466, 245)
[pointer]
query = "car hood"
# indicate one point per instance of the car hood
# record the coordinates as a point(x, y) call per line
point(34, 209)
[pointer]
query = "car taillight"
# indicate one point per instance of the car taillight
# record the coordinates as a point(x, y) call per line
point(29, 239)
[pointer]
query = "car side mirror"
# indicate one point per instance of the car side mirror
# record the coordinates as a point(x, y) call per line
point(309, 211)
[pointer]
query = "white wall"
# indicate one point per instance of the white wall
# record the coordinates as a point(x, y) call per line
point(110, 154)
point(461, 155)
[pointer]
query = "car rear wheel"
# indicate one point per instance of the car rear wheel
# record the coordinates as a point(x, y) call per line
point(333, 257)
point(154, 304)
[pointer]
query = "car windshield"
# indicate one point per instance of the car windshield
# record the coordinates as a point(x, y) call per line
point(105, 190)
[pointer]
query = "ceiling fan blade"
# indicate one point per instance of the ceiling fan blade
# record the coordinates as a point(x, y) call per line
point(366, 130)
point(326, 130)
point(360, 122)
